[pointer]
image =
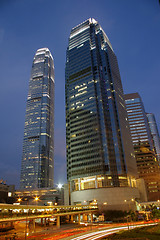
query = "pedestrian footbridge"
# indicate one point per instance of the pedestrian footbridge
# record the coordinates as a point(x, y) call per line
point(11, 213)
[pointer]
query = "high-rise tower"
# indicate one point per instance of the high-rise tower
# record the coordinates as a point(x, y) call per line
point(38, 144)
point(99, 149)
point(147, 164)
point(155, 134)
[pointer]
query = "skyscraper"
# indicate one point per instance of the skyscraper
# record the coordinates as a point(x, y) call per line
point(147, 163)
point(38, 144)
point(155, 134)
point(99, 149)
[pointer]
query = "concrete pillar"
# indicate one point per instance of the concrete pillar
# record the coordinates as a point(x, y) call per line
point(58, 221)
point(48, 222)
point(85, 217)
point(34, 225)
point(45, 222)
point(79, 218)
point(71, 218)
point(91, 217)
point(147, 216)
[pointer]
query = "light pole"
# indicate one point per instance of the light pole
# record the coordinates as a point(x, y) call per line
point(61, 194)
point(26, 227)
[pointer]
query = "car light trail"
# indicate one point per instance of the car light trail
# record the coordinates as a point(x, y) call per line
point(103, 233)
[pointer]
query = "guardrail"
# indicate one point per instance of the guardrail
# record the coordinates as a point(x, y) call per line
point(10, 212)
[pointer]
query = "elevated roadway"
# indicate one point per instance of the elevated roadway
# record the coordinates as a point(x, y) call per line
point(10, 213)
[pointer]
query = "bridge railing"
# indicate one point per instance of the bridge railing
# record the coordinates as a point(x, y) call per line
point(12, 211)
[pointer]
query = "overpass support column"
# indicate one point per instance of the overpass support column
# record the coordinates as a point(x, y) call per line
point(147, 216)
point(85, 217)
point(45, 222)
point(71, 218)
point(58, 221)
point(34, 225)
point(41, 221)
point(91, 217)
point(48, 223)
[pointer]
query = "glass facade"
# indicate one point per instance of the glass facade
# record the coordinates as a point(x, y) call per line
point(147, 164)
point(38, 144)
point(97, 131)
point(139, 128)
point(155, 134)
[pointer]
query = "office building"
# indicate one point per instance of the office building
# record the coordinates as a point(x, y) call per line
point(155, 134)
point(147, 164)
point(100, 154)
point(38, 144)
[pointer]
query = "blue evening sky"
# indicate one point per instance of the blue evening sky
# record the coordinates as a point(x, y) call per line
point(133, 27)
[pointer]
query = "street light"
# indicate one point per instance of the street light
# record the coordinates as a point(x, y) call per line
point(36, 199)
point(26, 227)
point(60, 185)
point(19, 200)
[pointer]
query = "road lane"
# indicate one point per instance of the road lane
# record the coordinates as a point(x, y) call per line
point(103, 233)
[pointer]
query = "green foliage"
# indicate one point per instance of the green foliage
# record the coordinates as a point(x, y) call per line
point(119, 216)
point(112, 215)
point(155, 214)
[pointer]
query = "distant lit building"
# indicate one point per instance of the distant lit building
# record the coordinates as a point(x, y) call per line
point(147, 164)
point(155, 134)
point(38, 144)
point(4, 188)
point(7, 192)
point(40, 196)
point(100, 153)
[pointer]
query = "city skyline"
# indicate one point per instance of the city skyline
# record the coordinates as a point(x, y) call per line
point(130, 36)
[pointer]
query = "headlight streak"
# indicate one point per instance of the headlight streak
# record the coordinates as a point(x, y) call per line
point(91, 236)
point(103, 235)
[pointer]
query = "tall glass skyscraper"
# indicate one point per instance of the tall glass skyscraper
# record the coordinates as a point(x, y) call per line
point(147, 164)
point(38, 144)
point(155, 134)
point(99, 149)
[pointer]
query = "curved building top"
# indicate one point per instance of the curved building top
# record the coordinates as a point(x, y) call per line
point(42, 56)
